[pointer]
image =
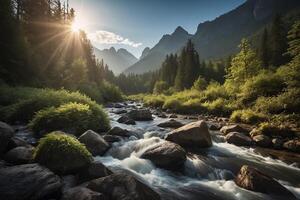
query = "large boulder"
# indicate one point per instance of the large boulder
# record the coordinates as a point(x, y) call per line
point(117, 131)
point(19, 155)
point(126, 120)
point(193, 135)
point(6, 133)
point(166, 155)
point(262, 140)
point(95, 170)
point(140, 115)
point(233, 128)
point(172, 123)
point(94, 143)
point(82, 193)
point(292, 145)
point(238, 139)
point(251, 179)
point(29, 181)
point(123, 187)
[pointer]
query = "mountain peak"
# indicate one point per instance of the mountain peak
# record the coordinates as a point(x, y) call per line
point(112, 49)
point(180, 30)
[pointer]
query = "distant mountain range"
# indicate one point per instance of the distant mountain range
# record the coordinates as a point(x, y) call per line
point(117, 60)
point(217, 38)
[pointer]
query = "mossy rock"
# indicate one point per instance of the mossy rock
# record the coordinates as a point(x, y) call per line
point(62, 153)
point(275, 130)
point(74, 118)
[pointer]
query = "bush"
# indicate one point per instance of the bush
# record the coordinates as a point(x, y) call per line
point(62, 153)
point(265, 84)
point(287, 102)
point(73, 118)
point(38, 99)
point(160, 87)
point(200, 84)
point(247, 116)
point(218, 107)
point(110, 92)
point(173, 104)
point(214, 91)
point(91, 91)
point(154, 100)
point(272, 129)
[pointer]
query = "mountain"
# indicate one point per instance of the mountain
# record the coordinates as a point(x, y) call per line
point(220, 37)
point(117, 61)
point(145, 52)
point(155, 56)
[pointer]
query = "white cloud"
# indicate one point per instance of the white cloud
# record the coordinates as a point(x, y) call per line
point(106, 37)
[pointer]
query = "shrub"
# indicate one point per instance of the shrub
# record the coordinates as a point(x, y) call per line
point(192, 106)
point(272, 129)
point(287, 102)
point(62, 153)
point(160, 87)
point(74, 118)
point(38, 99)
point(91, 91)
point(214, 91)
point(110, 92)
point(173, 104)
point(200, 84)
point(247, 116)
point(264, 84)
point(154, 100)
point(218, 107)
point(9, 95)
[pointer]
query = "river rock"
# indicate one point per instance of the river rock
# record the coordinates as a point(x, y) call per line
point(277, 143)
point(173, 116)
point(172, 123)
point(19, 155)
point(255, 132)
point(82, 193)
point(69, 181)
point(95, 170)
point(123, 187)
point(233, 128)
point(162, 115)
point(6, 133)
point(111, 138)
point(17, 142)
point(126, 120)
point(29, 181)
point(166, 155)
point(94, 143)
point(262, 140)
point(238, 139)
point(192, 135)
point(292, 145)
point(140, 115)
point(120, 111)
point(117, 131)
point(251, 179)
point(214, 127)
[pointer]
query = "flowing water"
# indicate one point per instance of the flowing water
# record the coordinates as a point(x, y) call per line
point(207, 175)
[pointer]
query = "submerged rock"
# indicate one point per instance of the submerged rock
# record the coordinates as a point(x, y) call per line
point(6, 133)
point(94, 143)
point(140, 115)
point(126, 120)
point(19, 155)
point(111, 138)
point(82, 193)
point(292, 145)
point(123, 187)
point(262, 141)
point(95, 170)
point(233, 128)
point(172, 123)
point(173, 116)
point(117, 131)
point(251, 179)
point(29, 181)
point(193, 135)
point(166, 155)
point(120, 111)
point(238, 139)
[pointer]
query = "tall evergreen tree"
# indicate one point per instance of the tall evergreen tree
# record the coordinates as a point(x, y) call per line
point(264, 49)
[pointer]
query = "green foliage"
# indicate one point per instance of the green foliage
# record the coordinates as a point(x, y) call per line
point(73, 118)
point(265, 84)
point(267, 128)
point(248, 116)
point(154, 100)
point(110, 92)
point(62, 153)
point(160, 87)
point(200, 84)
point(218, 106)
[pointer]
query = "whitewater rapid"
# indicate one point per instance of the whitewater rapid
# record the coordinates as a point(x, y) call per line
point(207, 175)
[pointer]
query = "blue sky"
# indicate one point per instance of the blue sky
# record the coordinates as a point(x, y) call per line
point(136, 24)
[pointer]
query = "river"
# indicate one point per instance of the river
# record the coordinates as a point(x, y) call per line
point(207, 175)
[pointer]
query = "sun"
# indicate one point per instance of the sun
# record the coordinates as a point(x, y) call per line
point(76, 27)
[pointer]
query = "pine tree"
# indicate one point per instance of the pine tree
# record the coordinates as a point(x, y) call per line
point(264, 50)
point(278, 44)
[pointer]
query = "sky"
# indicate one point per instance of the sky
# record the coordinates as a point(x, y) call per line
point(136, 24)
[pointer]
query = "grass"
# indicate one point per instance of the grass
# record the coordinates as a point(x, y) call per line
point(248, 116)
point(62, 153)
point(74, 118)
